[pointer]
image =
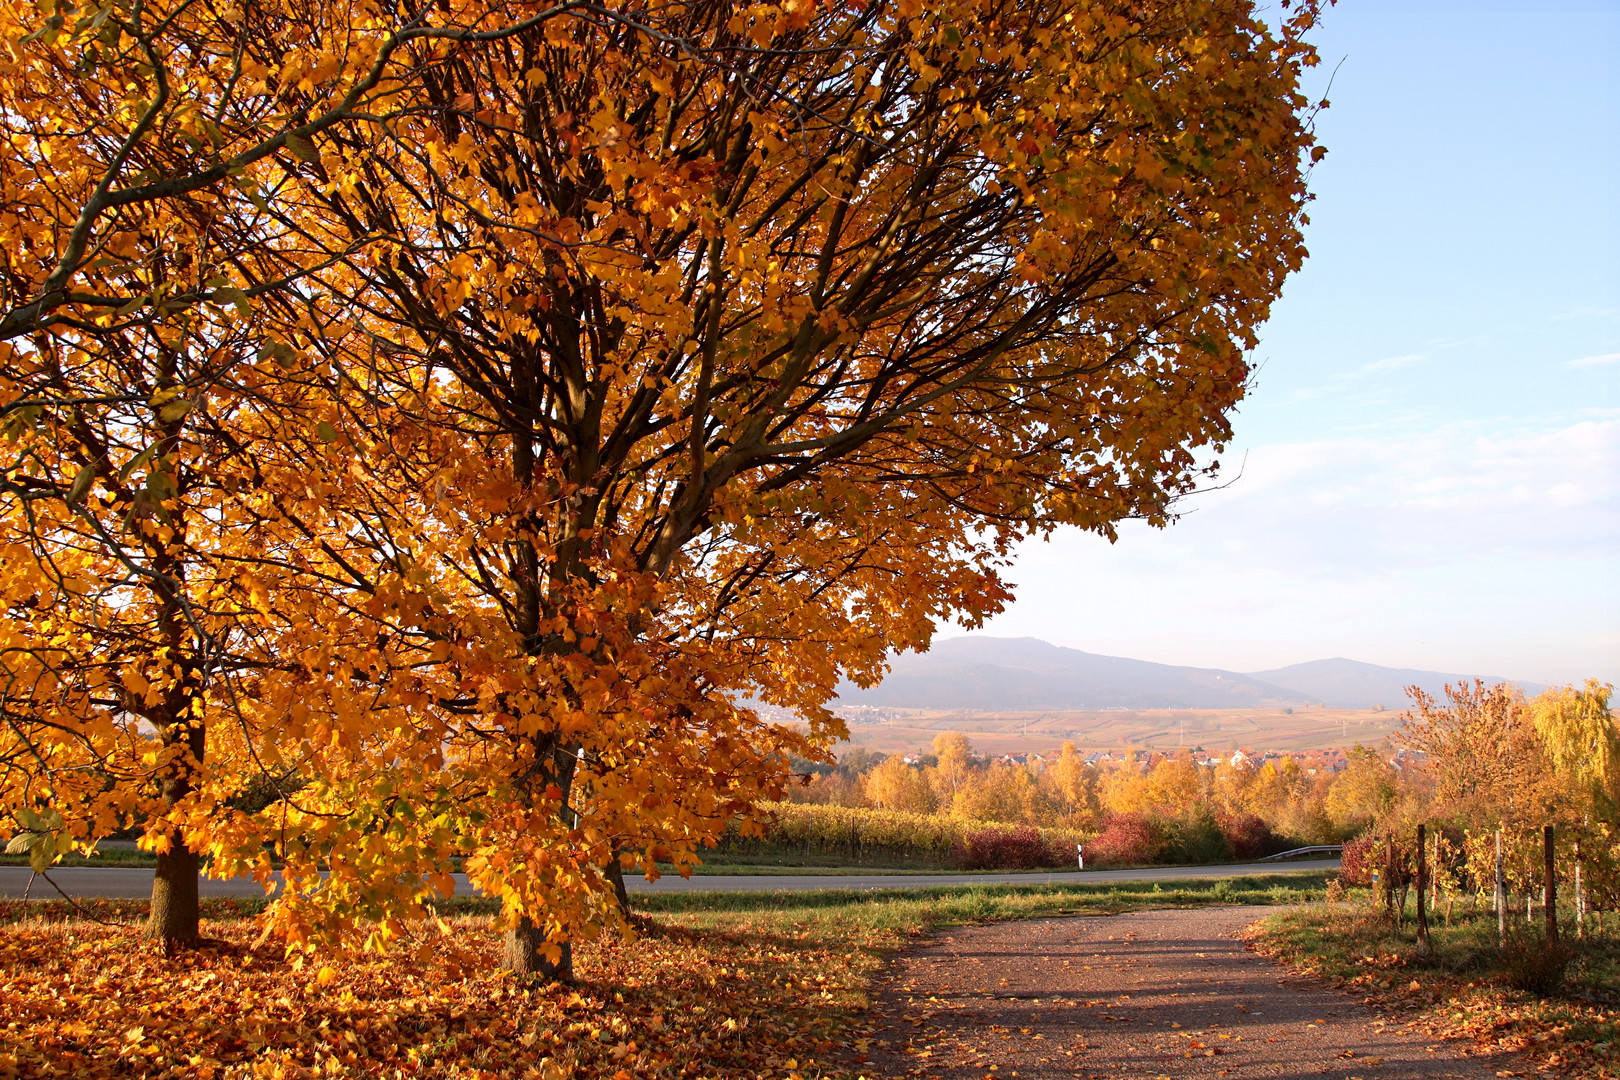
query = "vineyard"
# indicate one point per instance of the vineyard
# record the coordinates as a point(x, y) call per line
point(810, 835)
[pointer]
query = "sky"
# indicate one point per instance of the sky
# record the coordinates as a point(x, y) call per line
point(1427, 472)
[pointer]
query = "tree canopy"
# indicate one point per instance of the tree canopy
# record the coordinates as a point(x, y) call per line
point(583, 377)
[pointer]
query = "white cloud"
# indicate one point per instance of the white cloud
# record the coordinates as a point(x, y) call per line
point(1594, 361)
point(1389, 363)
point(1470, 546)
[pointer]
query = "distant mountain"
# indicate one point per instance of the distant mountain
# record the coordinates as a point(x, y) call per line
point(1350, 684)
point(1028, 675)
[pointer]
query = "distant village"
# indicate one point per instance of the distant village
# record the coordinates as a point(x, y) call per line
point(1310, 762)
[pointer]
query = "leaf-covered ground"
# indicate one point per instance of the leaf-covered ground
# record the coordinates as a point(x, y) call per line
point(715, 986)
point(90, 1001)
point(1462, 990)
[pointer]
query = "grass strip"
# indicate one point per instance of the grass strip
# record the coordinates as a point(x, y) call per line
point(1465, 988)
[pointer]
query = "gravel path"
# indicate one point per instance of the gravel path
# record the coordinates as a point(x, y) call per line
point(1144, 996)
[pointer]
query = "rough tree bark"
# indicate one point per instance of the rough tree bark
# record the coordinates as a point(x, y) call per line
point(176, 904)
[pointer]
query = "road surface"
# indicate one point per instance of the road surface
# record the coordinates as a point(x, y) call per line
point(136, 881)
point(1137, 996)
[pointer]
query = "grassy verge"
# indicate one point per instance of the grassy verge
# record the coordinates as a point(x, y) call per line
point(1465, 987)
point(924, 908)
point(117, 857)
point(721, 985)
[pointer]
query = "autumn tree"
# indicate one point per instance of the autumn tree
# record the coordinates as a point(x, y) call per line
point(160, 634)
point(896, 785)
point(1367, 788)
point(954, 763)
point(669, 357)
point(144, 149)
point(129, 622)
point(1487, 770)
point(1171, 784)
point(1578, 733)
point(1582, 748)
point(122, 614)
point(773, 356)
point(1066, 790)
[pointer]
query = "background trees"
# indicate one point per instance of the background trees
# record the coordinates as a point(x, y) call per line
point(1501, 764)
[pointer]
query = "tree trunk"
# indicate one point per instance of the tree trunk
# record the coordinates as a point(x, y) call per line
point(615, 874)
point(175, 905)
point(179, 716)
point(524, 953)
point(175, 910)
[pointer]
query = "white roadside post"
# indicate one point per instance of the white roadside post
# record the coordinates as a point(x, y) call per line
point(1080, 852)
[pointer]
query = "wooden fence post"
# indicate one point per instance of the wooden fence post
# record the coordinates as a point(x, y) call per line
point(1434, 875)
point(1550, 884)
point(1501, 894)
point(1580, 894)
point(1389, 881)
point(1422, 891)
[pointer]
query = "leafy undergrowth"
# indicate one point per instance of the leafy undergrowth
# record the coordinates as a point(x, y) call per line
point(715, 985)
point(1462, 990)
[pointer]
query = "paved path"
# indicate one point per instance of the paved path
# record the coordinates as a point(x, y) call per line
point(1153, 995)
point(137, 881)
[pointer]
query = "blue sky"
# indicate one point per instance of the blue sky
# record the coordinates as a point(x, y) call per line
point(1430, 460)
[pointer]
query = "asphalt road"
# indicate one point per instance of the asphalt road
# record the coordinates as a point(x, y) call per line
point(137, 882)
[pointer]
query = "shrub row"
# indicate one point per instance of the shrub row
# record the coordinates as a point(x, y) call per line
point(1137, 839)
point(1021, 847)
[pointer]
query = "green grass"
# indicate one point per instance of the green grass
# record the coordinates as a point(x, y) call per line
point(116, 857)
point(1358, 939)
point(906, 909)
point(1466, 987)
point(46, 905)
